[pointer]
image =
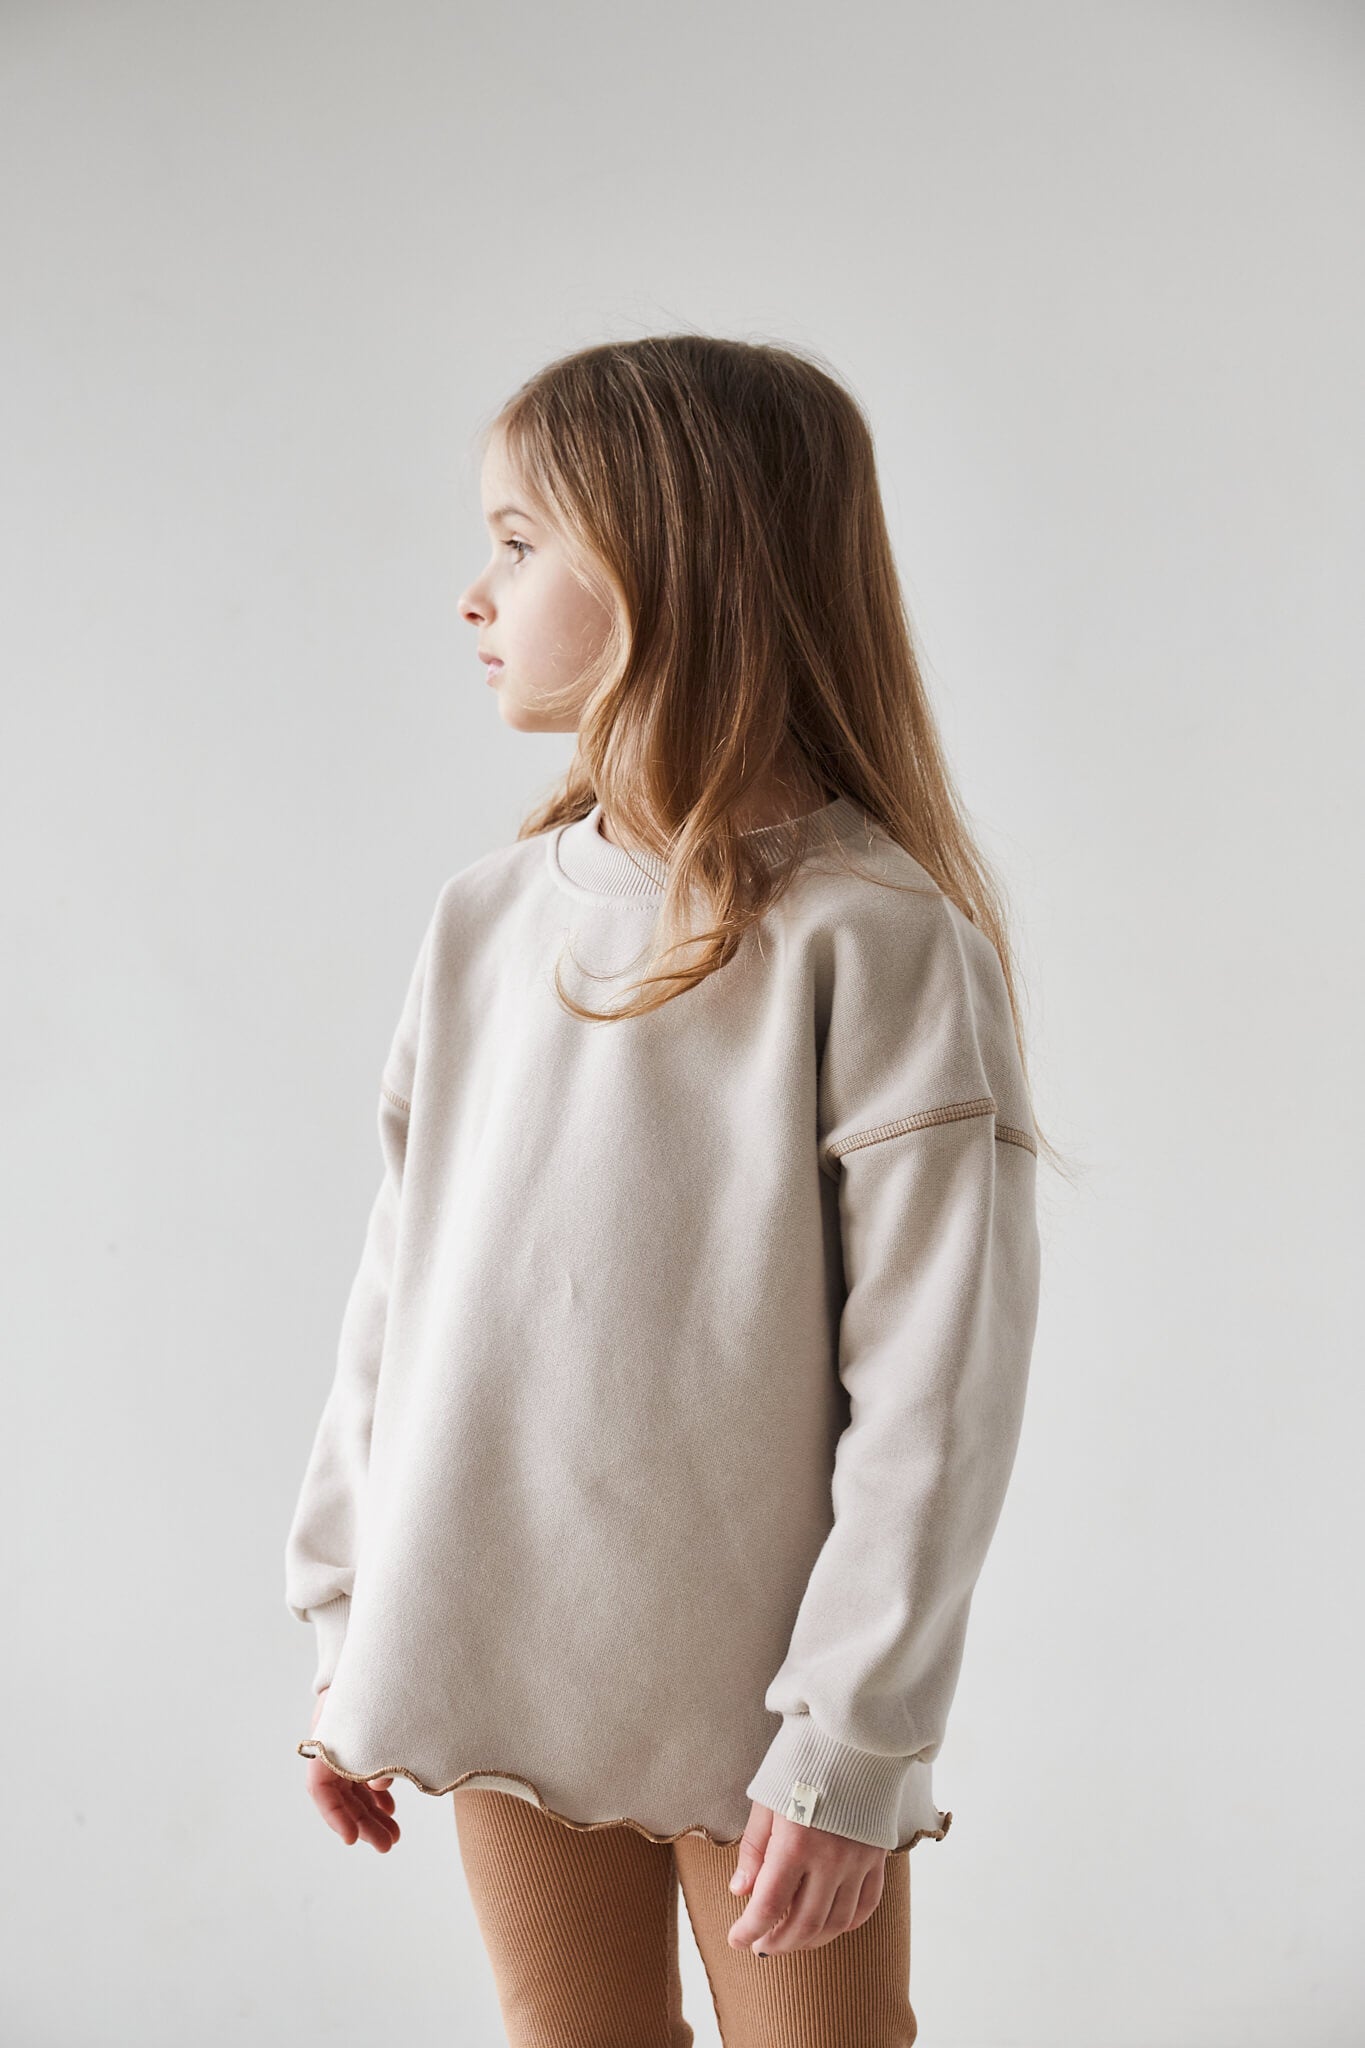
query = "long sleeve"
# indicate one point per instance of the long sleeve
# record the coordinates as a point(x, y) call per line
point(323, 1541)
point(933, 1146)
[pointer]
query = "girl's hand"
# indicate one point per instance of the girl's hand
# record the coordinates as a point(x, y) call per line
point(349, 1806)
point(829, 1882)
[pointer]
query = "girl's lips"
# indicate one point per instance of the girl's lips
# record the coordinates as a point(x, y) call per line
point(493, 668)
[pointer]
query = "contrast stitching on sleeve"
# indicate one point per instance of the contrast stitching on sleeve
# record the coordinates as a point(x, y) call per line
point(399, 1102)
point(946, 1113)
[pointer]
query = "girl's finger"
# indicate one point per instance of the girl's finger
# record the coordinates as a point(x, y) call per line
point(335, 1808)
point(804, 1925)
point(870, 1896)
point(775, 1887)
point(845, 1908)
point(375, 1825)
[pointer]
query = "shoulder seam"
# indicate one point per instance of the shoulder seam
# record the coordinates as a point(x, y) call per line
point(400, 1102)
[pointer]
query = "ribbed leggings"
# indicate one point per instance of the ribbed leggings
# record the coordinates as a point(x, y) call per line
point(581, 1930)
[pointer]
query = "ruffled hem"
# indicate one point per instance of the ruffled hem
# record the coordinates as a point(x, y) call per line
point(312, 1748)
point(927, 1834)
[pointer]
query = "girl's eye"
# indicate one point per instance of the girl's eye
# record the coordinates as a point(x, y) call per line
point(519, 544)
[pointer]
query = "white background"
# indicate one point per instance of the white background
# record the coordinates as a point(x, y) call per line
point(1094, 271)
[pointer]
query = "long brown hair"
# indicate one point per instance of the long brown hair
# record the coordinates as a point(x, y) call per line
point(722, 498)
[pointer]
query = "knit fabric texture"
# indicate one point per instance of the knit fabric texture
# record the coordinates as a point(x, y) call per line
point(682, 1374)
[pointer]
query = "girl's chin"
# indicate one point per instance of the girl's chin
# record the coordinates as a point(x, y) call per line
point(521, 717)
point(532, 715)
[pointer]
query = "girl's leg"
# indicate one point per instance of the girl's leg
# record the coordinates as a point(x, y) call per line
point(855, 1988)
point(580, 1926)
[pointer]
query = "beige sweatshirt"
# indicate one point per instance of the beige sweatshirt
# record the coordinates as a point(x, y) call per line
point(680, 1381)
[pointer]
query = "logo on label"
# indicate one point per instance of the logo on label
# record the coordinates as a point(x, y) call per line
point(801, 1805)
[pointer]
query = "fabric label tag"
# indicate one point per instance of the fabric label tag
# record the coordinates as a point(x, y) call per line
point(801, 1805)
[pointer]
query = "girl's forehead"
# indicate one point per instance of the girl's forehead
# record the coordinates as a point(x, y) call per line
point(502, 488)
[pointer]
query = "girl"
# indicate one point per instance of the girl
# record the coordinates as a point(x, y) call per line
point(680, 1382)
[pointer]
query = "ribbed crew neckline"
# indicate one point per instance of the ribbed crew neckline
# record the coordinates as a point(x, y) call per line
point(582, 861)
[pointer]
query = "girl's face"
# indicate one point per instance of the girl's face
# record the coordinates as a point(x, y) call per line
point(530, 610)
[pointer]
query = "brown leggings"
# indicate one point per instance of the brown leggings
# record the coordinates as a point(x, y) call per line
point(581, 1930)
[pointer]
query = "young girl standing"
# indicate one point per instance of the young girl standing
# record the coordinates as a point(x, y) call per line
point(681, 1379)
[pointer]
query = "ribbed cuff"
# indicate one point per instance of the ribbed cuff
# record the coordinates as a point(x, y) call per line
point(808, 1776)
point(330, 1623)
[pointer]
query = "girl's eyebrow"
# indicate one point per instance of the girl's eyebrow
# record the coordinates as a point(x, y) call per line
point(510, 512)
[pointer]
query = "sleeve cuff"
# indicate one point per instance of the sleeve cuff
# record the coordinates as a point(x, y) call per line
point(807, 1776)
point(329, 1621)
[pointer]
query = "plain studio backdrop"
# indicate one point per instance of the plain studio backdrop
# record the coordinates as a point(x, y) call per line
point(1094, 272)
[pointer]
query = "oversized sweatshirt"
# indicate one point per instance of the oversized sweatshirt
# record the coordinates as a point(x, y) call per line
point(681, 1377)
